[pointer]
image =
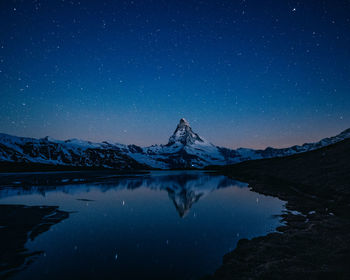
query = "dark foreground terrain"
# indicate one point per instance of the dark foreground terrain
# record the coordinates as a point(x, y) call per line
point(314, 243)
point(20, 223)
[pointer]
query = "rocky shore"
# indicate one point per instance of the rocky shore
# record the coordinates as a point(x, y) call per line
point(314, 242)
point(18, 224)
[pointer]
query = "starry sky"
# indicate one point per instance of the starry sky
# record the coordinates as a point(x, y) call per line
point(248, 73)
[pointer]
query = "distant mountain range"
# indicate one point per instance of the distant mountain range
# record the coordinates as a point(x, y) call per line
point(185, 149)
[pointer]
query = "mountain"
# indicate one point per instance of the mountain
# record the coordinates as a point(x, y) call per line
point(72, 152)
point(184, 135)
point(185, 149)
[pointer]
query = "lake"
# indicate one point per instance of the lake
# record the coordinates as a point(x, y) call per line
point(161, 225)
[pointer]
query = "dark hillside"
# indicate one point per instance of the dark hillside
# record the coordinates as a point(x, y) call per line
point(313, 244)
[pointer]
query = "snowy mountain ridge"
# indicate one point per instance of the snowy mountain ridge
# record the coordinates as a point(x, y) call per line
point(185, 149)
point(184, 134)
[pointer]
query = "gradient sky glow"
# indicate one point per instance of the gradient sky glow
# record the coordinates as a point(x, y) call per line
point(248, 73)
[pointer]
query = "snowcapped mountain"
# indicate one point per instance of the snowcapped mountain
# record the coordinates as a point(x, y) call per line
point(185, 149)
point(184, 135)
point(71, 152)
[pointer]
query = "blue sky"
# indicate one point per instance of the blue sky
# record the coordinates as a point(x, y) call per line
point(243, 73)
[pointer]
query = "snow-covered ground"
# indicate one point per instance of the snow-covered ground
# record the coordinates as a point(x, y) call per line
point(185, 149)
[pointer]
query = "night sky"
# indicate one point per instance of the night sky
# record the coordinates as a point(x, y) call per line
point(248, 73)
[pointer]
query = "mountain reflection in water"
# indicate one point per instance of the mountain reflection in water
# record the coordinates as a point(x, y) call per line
point(131, 216)
point(184, 188)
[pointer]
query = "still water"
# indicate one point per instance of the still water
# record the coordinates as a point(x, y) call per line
point(162, 225)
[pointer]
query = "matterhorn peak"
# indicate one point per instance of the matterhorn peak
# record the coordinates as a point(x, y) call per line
point(183, 134)
point(184, 122)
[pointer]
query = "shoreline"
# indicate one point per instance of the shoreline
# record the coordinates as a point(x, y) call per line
point(34, 220)
point(314, 242)
point(300, 248)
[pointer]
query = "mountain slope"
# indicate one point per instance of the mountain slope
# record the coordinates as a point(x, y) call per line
point(64, 153)
point(324, 172)
point(313, 243)
point(185, 149)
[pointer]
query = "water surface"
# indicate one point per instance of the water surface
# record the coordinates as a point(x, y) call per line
point(162, 225)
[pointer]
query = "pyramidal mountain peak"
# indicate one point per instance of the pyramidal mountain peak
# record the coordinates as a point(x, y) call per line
point(184, 134)
point(184, 122)
point(185, 149)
